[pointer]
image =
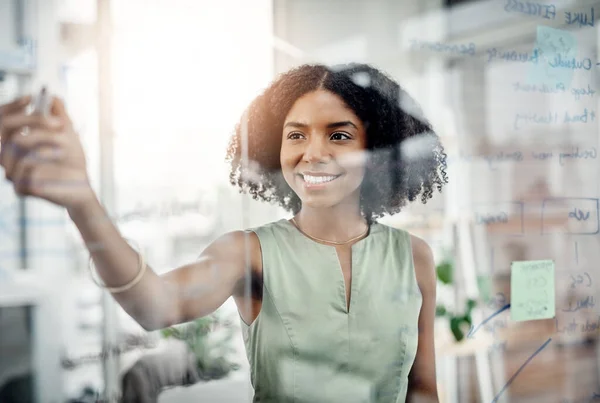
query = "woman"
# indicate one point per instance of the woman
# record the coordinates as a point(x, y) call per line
point(341, 307)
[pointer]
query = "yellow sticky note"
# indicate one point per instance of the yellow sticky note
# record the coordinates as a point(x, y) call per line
point(532, 290)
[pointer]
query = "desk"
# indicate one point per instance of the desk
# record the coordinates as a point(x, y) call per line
point(29, 290)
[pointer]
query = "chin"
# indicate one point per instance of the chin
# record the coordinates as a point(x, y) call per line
point(320, 201)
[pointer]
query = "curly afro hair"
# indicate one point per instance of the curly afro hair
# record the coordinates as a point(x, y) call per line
point(406, 158)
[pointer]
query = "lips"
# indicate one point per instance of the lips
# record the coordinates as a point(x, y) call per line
point(318, 179)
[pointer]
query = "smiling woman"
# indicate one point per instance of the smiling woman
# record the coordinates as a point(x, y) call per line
point(333, 305)
point(338, 148)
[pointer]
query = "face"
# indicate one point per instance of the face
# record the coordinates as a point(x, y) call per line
point(323, 150)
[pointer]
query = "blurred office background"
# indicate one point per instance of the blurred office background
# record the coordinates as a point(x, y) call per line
point(155, 88)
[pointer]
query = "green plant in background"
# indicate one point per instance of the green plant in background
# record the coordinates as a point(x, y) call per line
point(211, 350)
point(459, 322)
point(445, 271)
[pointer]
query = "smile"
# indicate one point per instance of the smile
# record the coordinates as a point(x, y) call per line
point(318, 180)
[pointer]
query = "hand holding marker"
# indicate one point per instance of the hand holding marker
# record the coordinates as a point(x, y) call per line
point(41, 153)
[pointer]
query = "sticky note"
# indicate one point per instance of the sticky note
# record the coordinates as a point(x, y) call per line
point(532, 290)
point(556, 58)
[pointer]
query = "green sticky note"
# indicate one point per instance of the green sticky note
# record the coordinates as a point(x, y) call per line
point(532, 290)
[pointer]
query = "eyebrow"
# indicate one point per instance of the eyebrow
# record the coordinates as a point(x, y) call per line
point(329, 126)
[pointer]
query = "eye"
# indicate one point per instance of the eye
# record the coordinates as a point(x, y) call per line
point(340, 136)
point(295, 136)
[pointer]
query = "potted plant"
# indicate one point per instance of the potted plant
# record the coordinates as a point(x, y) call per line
point(459, 322)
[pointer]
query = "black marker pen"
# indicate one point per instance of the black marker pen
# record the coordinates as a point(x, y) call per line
point(41, 104)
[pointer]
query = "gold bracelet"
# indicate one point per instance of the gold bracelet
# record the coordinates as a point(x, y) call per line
point(133, 282)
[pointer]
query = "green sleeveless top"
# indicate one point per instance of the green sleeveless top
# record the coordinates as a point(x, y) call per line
point(305, 346)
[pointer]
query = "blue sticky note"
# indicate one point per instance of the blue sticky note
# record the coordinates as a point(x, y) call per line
point(556, 51)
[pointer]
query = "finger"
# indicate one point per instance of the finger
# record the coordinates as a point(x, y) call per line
point(22, 175)
point(28, 168)
point(23, 124)
point(15, 122)
point(9, 156)
point(58, 109)
point(38, 137)
point(46, 154)
point(21, 146)
point(14, 106)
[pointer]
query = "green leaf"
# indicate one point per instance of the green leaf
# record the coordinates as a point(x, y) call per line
point(455, 328)
point(444, 272)
point(440, 310)
point(471, 303)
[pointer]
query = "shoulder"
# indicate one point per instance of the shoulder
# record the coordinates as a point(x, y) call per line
point(240, 241)
point(424, 263)
point(241, 237)
point(422, 253)
point(236, 247)
point(422, 256)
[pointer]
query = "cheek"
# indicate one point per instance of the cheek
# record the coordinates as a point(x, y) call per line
point(354, 162)
point(287, 163)
point(356, 167)
point(357, 177)
point(288, 158)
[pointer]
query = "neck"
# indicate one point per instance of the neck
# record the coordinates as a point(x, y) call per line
point(336, 224)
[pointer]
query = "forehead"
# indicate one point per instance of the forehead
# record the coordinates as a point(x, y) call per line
point(320, 106)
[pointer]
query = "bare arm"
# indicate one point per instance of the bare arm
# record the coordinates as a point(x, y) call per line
point(181, 295)
point(49, 163)
point(422, 377)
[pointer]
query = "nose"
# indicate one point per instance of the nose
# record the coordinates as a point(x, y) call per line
point(317, 150)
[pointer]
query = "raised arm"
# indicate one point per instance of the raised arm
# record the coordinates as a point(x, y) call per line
point(44, 158)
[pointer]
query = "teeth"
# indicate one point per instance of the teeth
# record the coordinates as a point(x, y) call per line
point(318, 179)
